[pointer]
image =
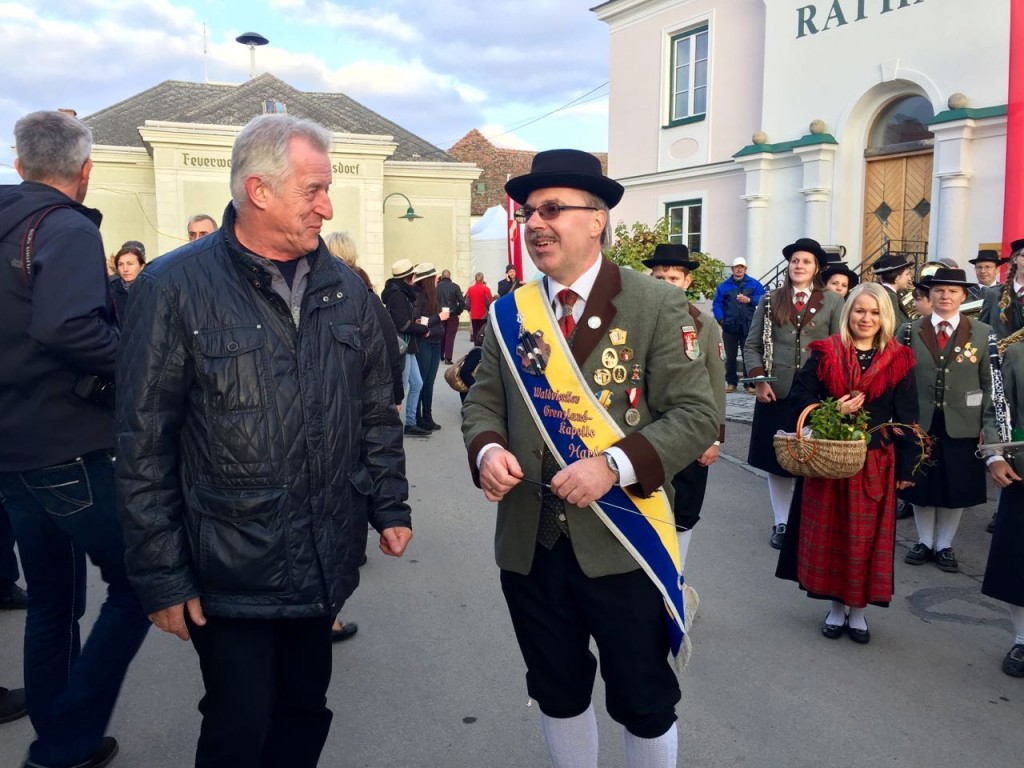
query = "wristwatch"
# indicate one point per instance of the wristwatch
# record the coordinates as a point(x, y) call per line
point(612, 465)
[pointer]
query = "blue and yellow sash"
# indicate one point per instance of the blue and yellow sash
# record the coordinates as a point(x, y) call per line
point(575, 426)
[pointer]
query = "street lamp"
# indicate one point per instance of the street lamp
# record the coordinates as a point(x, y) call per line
point(409, 214)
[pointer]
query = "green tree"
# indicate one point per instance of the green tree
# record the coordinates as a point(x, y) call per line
point(631, 245)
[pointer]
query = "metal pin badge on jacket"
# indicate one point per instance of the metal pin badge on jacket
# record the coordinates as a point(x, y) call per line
point(594, 322)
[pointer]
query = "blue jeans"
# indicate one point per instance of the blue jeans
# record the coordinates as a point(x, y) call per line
point(412, 383)
point(61, 514)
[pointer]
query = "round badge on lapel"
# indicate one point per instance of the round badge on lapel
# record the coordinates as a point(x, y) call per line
point(594, 322)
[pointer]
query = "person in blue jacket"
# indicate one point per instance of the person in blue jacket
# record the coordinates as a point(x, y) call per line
point(733, 307)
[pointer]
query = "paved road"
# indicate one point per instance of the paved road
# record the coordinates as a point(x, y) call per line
point(434, 679)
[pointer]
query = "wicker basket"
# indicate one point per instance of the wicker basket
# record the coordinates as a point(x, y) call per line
point(810, 457)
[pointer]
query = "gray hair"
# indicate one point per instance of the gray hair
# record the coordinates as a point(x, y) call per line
point(342, 246)
point(261, 149)
point(594, 201)
point(52, 146)
point(201, 217)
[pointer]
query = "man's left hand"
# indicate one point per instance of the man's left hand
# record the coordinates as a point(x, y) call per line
point(393, 541)
point(583, 482)
point(709, 457)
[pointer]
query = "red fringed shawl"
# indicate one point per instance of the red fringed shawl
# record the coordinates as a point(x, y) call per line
point(840, 372)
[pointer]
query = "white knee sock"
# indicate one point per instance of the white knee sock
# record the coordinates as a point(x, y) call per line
point(857, 620)
point(924, 519)
point(836, 615)
point(572, 741)
point(780, 492)
point(946, 523)
point(659, 752)
point(684, 544)
point(1017, 615)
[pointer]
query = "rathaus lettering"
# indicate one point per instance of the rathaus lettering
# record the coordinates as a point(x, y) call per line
point(808, 19)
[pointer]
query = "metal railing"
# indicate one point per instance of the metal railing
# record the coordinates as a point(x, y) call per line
point(914, 250)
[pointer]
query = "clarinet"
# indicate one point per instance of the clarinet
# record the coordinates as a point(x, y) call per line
point(766, 334)
point(1002, 407)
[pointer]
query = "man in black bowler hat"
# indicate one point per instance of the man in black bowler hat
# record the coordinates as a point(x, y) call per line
point(565, 576)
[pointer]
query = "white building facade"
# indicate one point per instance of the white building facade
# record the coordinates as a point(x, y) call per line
point(870, 124)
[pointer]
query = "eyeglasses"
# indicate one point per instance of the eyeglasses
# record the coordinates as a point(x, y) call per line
point(547, 211)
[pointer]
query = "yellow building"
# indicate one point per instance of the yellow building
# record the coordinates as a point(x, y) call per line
point(164, 155)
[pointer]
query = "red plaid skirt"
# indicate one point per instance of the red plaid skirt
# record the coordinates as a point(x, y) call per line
point(847, 534)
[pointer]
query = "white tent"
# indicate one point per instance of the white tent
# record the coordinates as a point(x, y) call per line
point(489, 240)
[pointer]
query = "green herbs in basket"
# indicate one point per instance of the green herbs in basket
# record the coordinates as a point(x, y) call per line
point(827, 423)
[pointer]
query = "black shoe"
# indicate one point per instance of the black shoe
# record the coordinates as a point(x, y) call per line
point(428, 424)
point(1013, 662)
point(832, 631)
point(103, 754)
point(946, 560)
point(904, 509)
point(412, 430)
point(13, 597)
point(919, 555)
point(861, 636)
point(991, 527)
point(348, 629)
point(778, 535)
point(12, 704)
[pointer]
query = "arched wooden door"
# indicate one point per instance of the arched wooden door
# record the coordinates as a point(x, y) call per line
point(897, 202)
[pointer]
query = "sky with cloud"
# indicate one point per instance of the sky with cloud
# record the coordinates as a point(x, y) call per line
point(529, 73)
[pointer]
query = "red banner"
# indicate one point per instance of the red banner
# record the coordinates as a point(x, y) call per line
point(515, 240)
point(1013, 196)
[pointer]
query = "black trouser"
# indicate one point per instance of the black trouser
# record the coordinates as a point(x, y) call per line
point(689, 486)
point(266, 691)
point(557, 609)
point(733, 344)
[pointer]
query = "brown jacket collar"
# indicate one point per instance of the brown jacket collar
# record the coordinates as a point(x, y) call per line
point(931, 343)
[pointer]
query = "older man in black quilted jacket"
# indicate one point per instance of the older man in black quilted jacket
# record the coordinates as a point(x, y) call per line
point(256, 437)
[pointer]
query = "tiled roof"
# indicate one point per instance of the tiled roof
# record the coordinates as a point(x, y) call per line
point(498, 166)
point(183, 102)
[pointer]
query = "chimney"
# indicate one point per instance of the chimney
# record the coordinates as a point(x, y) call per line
point(68, 111)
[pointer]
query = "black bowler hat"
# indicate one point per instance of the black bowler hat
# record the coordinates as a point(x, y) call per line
point(671, 255)
point(565, 168)
point(989, 255)
point(890, 263)
point(812, 247)
point(944, 276)
point(839, 268)
point(1017, 245)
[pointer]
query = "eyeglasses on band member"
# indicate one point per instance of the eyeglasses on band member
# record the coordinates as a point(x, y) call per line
point(547, 211)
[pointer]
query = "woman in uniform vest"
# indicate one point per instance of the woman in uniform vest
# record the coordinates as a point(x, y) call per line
point(954, 392)
point(790, 317)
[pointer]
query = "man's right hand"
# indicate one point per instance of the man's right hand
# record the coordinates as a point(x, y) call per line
point(499, 473)
point(765, 393)
point(172, 619)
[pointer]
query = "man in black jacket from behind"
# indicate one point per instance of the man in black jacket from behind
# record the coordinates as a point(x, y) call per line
point(58, 342)
point(256, 437)
point(449, 294)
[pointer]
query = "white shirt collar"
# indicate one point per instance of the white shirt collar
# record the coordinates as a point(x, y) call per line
point(582, 287)
point(954, 323)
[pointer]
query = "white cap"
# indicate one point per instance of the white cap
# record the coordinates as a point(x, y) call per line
point(739, 261)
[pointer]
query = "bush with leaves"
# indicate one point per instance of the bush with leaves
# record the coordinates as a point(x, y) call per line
point(635, 243)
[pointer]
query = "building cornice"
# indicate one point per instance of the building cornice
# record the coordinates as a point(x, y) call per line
point(980, 113)
point(621, 13)
point(682, 174)
point(809, 140)
point(419, 169)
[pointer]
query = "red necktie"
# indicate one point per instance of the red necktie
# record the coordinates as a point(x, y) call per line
point(800, 304)
point(567, 299)
point(943, 337)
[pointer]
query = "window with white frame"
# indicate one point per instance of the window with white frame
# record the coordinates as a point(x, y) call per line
point(689, 91)
point(684, 223)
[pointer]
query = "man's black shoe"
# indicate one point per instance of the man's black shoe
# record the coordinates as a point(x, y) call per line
point(12, 597)
point(919, 555)
point(100, 758)
point(428, 424)
point(411, 430)
point(12, 704)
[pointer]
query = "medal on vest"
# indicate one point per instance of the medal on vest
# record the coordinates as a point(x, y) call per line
point(632, 416)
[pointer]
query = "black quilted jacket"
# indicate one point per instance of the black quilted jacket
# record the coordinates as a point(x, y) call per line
point(250, 454)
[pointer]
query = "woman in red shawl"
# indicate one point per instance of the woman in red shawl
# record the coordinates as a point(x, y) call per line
point(843, 550)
